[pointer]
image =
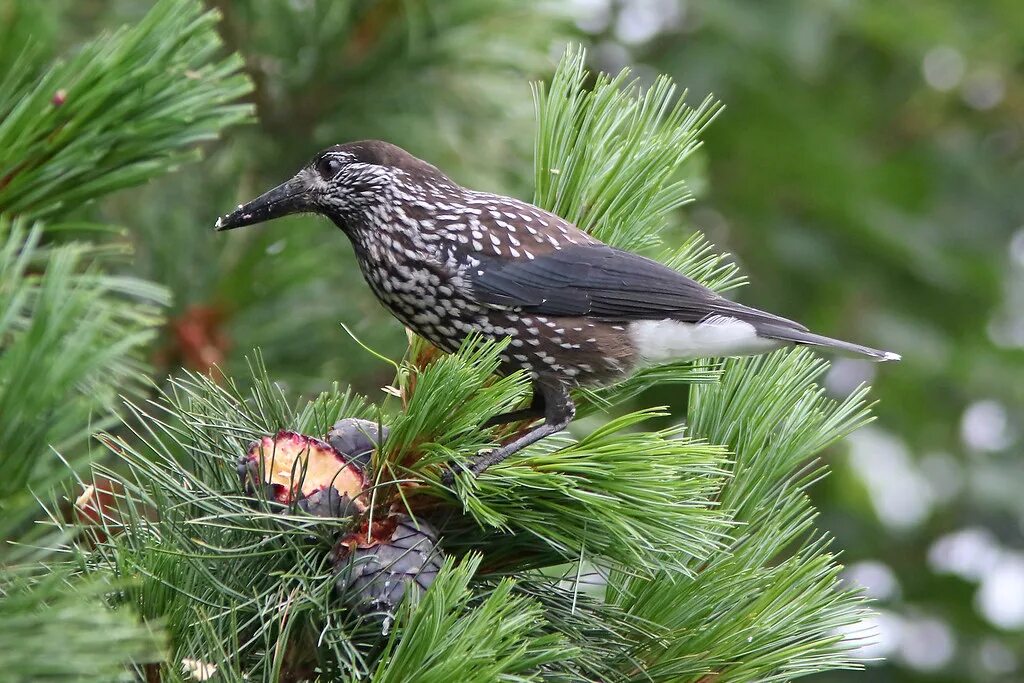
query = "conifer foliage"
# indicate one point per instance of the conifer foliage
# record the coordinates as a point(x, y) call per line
point(610, 553)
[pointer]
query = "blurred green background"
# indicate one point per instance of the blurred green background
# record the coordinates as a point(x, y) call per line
point(867, 174)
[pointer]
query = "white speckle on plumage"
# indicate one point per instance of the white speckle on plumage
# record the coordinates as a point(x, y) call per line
point(661, 340)
point(478, 246)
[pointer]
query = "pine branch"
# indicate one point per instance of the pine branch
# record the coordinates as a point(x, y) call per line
point(232, 582)
point(595, 494)
point(759, 611)
point(70, 341)
point(129, 106)
point(181, 521)
point(443, 638)
point(53, 631)
point(607, 154)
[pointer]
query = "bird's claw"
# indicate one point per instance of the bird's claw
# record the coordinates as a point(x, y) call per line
point(448, 476)
point(476, 467)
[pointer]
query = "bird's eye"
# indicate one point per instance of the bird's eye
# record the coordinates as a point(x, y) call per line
point(328, 167)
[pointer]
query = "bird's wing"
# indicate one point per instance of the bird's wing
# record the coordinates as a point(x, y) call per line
point(603, 282)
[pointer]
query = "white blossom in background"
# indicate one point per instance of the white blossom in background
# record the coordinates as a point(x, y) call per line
point(198, 669)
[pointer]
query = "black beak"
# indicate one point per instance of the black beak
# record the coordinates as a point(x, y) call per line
point(287, 198)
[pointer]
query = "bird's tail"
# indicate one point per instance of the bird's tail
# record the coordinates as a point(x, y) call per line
point(806, 338)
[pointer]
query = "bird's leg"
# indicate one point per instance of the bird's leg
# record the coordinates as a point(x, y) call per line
point(531, 412)
point(558, 412)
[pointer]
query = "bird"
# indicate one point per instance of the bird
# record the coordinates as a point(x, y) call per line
point(450, 262)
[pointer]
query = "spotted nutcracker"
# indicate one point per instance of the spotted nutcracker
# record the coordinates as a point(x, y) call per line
point(448, 261)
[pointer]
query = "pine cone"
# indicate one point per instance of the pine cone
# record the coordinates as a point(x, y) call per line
point(328, 502)
point(377, 566)
point(300, 469)
point(356, 439)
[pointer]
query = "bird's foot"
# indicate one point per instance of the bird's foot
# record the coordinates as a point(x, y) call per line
point(476, 466)
point(560, 411)
point(448, 476)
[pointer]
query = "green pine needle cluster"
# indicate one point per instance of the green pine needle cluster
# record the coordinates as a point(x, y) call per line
point(622, 554)
point(124, 108)
point(127, 107)
point(608, 153)
point(71, 340)
point(769, 607)
point(453, 634)
point(55, 628)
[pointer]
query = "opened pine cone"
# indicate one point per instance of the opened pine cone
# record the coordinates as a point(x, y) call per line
point(293, 468)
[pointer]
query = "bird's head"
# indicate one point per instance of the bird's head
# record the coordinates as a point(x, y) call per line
point(344, 182)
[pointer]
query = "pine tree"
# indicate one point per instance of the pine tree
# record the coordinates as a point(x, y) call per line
point(127, 107)
point(614, 553)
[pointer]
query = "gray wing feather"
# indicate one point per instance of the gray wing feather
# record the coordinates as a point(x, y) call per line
point(606, 283)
